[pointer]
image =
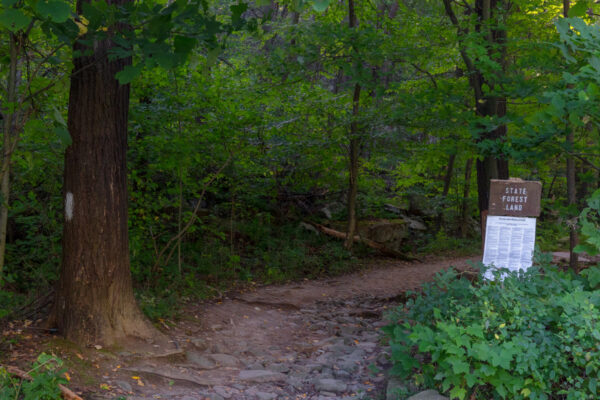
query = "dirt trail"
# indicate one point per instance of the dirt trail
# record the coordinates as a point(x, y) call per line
point(313, 340)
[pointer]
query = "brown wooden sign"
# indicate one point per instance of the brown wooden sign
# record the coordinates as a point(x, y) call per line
point(515, 198)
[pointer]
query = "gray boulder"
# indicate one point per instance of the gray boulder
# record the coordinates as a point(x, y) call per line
point(428, 395)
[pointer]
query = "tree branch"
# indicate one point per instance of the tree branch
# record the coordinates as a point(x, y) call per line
point(191, 221)
point(431, 77)
point(472, 70)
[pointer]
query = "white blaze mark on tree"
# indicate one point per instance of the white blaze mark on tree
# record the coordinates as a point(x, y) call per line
point(69, 206)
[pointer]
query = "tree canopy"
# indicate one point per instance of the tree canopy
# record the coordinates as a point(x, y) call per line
point(247, 123)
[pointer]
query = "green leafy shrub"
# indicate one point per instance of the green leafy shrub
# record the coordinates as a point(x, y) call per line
point(532, 335)
point(47, 373)
point(589, 219)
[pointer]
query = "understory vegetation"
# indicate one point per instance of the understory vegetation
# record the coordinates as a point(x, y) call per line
point(41, 382)
point(532, 335)
point(522, 335)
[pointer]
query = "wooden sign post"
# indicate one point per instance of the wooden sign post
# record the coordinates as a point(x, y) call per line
point(509, 237)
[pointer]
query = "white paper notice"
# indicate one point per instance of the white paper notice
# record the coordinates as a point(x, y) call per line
point(509, 243)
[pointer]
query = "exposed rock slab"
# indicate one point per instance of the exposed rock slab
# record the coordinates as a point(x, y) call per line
point(261, 376)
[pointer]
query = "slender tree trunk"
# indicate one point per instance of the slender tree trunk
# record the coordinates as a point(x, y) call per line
point(551, 187)
point(571, 191)
point(7, 143)
point(353, 169)
point(179, 222)
point(583, 186)
point(465, 200)
point(572, 201)
point(354, 150)
point(94, 298)
point(445, 190)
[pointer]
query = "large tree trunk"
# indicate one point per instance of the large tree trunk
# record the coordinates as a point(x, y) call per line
point(94, 299)
point(491, 27)
point(490, 105)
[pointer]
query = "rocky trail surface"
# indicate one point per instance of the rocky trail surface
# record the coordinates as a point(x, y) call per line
point(314, 340)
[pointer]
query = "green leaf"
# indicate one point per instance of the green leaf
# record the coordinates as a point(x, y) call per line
point(14, 20)
point(58, 117)
point(159, 27)
point(212, 56)
point(63, 135)
point(129, 73)
point(579, 9)
point(8, 3)
point(586, 248)
point(459, 366)
point(320, 5)
point(236, 13)
point(471, 379)
point(592, 385)
point(595, 63)
point(56, 10)
point(558, 102)
point(458, 393)
point(184, 45)
point(593, 275)
point(475, 330)
point(94, 15)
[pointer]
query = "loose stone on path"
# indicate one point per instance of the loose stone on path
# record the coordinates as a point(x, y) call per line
point(261, 376)
point(289, 346)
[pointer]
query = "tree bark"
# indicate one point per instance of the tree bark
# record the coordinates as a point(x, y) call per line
point(7, 143)
point(571, 191)
point(465, 201)
point(354, 150)
point(353, 171)
point(486, 104)
point(572, 201)
point(490, 105)
point(445, 190)
point(94, 298)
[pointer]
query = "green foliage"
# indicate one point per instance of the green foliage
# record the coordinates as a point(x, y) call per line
point(33, 247)
point(257, 252)
point(531, 335)
point(443, 243)
point(46, 373)
point(589, 220)
point(241, 111)
point(9, 301)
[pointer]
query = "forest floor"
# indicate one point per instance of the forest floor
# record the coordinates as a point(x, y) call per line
point(310, 340)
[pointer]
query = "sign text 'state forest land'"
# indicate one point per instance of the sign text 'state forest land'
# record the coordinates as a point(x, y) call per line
point(515, 198)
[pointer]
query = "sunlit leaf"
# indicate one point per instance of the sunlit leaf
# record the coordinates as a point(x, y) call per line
point(320, 5)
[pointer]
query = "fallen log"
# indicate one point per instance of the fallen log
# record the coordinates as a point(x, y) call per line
point(67, 393)
point(375, 245)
